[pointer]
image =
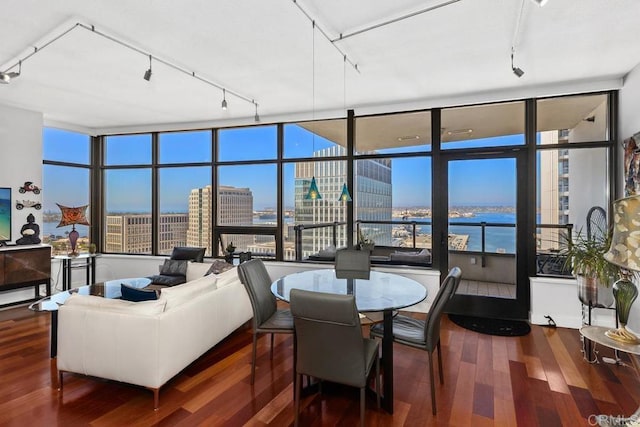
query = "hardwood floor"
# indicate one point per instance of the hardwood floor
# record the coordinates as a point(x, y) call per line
point(536, 380)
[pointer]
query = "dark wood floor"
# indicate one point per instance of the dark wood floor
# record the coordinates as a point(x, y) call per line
point(536, 380)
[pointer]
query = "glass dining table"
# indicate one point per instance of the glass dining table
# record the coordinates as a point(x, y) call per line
point(383, 292)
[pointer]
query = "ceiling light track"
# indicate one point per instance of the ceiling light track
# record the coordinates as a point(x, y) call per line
point(326, 36)
point(393, 21)
point(170, 64)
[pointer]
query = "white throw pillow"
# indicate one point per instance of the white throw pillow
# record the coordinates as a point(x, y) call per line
point(176, 295)
point(195, 270)
point(148, 308)
point(227, 277)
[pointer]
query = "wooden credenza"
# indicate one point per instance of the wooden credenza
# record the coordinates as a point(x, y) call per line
point(25, 266)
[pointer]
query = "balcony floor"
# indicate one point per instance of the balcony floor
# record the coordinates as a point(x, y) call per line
point(487, 289)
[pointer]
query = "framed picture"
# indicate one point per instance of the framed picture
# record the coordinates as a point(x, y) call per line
point(632, 165)
point(5, 214)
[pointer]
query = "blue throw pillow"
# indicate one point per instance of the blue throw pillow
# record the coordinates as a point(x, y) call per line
point(137, 295)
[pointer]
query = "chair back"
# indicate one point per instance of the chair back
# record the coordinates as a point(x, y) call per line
point(352, 264)
point(255, 278)
point(596, 223)
point(447, 289)
point(330, 345)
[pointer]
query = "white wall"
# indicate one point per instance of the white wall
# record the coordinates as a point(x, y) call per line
point(629, 124)
point(20, 159)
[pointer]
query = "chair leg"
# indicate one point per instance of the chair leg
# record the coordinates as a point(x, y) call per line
point(378, 381)
point(433, 384)
point(297, 399)
point(362, 407)
point(272, 346)
point(253, 358)
point(440, 363)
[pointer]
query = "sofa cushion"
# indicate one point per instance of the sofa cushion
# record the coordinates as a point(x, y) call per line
point(218, 266)
point(176, 295)
point(136, 294)
point(167, 280)
point(188, 253)
point(227, 277)
point(172, 267)
point(421, 257)
point(148, 308)
point(196, 270)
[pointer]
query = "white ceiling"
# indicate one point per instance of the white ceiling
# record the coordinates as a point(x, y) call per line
point(456, 54)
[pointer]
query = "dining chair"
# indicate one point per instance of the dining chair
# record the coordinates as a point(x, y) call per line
point(267, 318)
point(330, 345)
point(425, 334)
point(352, 264)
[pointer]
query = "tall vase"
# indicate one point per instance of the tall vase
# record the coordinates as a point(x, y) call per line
point(625, 293)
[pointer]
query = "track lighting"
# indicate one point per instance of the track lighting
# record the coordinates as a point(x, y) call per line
point(224, 99)
point(147, 74)
point(5, 77)
point(517, 71)
point(256, 118)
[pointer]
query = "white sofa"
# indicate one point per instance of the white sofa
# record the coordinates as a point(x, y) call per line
point(147, 343)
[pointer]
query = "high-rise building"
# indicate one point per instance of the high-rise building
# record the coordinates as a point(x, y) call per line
point(372, 198)
point(234, 207)
point(131, 233)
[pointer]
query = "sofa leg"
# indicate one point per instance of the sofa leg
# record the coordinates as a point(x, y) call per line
point(60, 382)
point(156, 397)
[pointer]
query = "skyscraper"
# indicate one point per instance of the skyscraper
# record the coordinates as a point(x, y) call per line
point(234, 207)
point(372, 198)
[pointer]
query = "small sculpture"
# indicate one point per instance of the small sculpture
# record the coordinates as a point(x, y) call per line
point(30, 232)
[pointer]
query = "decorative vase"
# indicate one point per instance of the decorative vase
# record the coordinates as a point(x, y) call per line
point(592, 292)
point(625, 293)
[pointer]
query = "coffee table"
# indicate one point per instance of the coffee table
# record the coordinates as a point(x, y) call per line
point(108, 289)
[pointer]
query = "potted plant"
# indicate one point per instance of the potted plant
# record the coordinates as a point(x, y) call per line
point(585, 256)
point(229, 250)
point(364, 242)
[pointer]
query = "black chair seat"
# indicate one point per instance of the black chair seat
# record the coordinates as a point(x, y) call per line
point(406, 330)
point(281, 320)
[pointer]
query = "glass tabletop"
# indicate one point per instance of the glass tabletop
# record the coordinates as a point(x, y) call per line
point(383, 291)
point(108, 289)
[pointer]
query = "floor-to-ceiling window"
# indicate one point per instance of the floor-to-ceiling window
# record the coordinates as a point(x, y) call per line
point(127, 195)
point(573, 157)
point(250, 185)
point(66, 178)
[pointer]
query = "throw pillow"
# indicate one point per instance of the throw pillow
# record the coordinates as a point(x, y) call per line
point(219, 266)
point(136, 294)
point(196, 270)
point(173, 267)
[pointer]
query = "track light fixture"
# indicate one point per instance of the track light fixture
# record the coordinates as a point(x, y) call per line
point(5, 77)
point(517, 71)
point(147, 74)
point(256, 118)
point(224, 99)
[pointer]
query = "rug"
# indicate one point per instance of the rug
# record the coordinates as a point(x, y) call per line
point(502, 327)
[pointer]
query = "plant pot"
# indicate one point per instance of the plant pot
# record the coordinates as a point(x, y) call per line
point(590, 290)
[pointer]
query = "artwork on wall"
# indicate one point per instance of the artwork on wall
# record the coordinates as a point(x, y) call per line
point(632, 165)
point(5, 214)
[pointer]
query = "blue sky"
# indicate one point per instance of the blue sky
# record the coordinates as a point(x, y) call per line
point(130, 190)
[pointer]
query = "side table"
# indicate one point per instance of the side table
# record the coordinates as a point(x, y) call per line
point(597, 335)
point(86, 261)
